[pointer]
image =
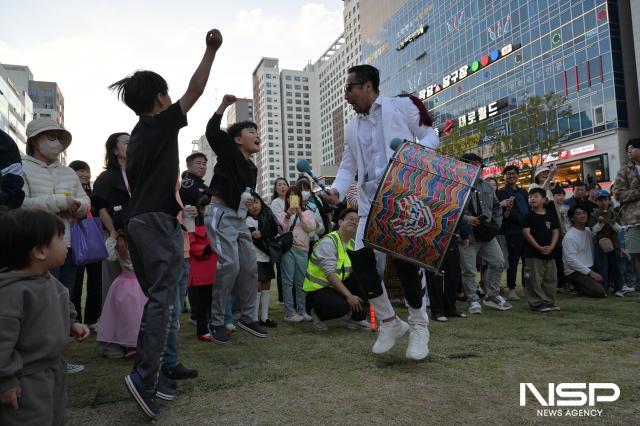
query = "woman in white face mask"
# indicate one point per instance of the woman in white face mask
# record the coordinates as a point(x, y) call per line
point(50, 186)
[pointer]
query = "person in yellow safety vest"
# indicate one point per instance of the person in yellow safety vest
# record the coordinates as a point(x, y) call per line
point(332, 291)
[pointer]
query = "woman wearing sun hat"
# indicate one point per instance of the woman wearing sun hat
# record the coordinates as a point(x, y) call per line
point(542, 178)
point(50, 186)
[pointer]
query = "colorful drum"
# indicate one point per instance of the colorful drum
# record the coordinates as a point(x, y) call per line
point(418, 205)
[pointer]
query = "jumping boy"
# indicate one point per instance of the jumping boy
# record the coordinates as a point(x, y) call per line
point(154, 234)
point(226, 225)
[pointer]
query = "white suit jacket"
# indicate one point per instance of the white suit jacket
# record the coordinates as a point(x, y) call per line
point(400, 119)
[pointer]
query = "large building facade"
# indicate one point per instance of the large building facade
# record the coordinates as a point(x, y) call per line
point(241, 110)
point(16, 109)
point(286, 112)
point(472, 60)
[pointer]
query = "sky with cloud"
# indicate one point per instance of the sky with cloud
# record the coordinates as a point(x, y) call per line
point(87, 45)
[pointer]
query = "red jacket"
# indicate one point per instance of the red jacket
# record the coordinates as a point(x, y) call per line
point(203, 262)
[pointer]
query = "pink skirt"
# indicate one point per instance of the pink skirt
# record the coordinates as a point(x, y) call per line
point(122, 312)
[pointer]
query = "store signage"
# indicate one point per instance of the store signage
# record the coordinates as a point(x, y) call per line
point(466, 70)
point(411, 37)
point(482, 113)
point(564, 153)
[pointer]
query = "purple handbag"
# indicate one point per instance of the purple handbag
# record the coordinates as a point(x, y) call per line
point(87, 241)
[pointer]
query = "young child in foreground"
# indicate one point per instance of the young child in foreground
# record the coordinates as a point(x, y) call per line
point(541, 233)
point(36, 319)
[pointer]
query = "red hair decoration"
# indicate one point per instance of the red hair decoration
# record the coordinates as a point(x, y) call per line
point(425, 117)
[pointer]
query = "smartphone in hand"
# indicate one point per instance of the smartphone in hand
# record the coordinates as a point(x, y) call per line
point(294, 201)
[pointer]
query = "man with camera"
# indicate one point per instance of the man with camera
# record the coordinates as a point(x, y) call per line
point(484, 215)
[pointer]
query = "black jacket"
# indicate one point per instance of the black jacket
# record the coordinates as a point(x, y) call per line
point(192, 189)
point(232, 173)
point(11, 182)
point(110, 192)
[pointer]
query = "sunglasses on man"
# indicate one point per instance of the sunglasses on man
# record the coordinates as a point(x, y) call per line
point(349, 86)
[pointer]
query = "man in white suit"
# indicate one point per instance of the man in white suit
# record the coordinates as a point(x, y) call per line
point(367, 152)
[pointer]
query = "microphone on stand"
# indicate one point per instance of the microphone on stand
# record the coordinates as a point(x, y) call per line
point(303, 166)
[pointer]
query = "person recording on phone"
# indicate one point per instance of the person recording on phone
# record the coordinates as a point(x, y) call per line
point(367, 151)
point(515, 206)
point(301, 222)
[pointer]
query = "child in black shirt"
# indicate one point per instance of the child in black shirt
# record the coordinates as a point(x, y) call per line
point(225, 219)
point(541, 233)
point(154, 234)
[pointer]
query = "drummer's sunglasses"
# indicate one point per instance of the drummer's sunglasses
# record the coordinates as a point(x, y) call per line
point(349, 86)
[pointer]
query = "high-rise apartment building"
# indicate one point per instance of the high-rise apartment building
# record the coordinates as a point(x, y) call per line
point(241, 110)
point(16, 108)
point(287, 116)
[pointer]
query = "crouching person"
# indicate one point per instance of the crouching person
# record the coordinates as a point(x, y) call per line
point(331, 288)
point(36, 319)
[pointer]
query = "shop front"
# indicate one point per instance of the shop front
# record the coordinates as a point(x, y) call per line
point(582, 163)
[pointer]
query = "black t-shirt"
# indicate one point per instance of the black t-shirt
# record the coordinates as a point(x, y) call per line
point(232, 173)
point(152, 162)
point(110, 192)
point(192, 189)
point(541, 227)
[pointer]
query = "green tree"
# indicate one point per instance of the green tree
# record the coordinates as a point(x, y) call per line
point(534, 131)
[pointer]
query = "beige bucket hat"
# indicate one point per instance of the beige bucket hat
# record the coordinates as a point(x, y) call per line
point(40, 125)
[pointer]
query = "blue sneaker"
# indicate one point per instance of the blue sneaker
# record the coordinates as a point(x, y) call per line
point(166, 388)
point(146, 400)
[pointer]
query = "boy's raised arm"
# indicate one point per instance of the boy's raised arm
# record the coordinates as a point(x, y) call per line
point(218, 139)
point(199, 79)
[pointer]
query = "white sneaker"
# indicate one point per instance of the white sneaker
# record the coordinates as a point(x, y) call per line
point(388, 334)
point(230, 327)
point(293, 318)
point(475, 308)
point(442, 318)
point(619, 293)
point(306, 317)
point(513, 295)
point(317, 323)
point(627, 289)
point(418, 348)
point(358, 325)
point(496, 302)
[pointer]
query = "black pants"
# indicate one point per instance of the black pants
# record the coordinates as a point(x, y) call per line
point(156, 247)
point(93, 303)
point(442, 288)
point(562, 280)
point(192, 294)
point(515, 247)
point(203, 308)
point(328, 304)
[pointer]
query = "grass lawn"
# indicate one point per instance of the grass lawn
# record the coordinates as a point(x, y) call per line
point(472, 375)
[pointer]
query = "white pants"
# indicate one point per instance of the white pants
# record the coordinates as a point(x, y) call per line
point(381, 304)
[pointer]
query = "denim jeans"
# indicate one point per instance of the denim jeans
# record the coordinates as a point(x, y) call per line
point(293, 267)
point(170, 358)
point(66, 273)
point(608, 266)
point(492, 253)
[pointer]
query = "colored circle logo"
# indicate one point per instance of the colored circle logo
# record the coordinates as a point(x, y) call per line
point(485, 60)
point(475, 66)
point(494, 55)
point(555, 39)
